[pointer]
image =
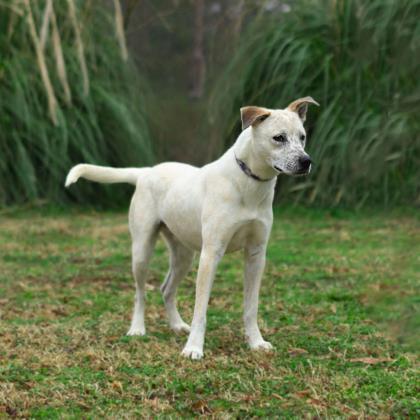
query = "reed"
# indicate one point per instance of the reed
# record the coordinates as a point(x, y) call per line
point(361, 61)
point(66, 96)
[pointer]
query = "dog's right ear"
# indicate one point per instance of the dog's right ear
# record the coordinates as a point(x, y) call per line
point(253, 115)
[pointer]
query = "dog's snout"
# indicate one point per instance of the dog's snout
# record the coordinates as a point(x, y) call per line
point(305, 162)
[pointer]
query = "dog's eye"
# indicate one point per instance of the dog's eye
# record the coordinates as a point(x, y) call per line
point(302, 137)
point(281, 138)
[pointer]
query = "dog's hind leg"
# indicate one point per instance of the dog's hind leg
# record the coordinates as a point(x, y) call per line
point(180, 263)
point(144, 231)
point(142, 249)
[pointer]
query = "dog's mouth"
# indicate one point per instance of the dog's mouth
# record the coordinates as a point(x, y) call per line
point(297, 173)
point(304, 172)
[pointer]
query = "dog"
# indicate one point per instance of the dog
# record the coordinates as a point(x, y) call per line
point(221, 207)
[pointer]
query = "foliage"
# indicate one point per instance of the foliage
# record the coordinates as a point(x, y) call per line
point(93, 112)
point(360, 60)
point(338, 302)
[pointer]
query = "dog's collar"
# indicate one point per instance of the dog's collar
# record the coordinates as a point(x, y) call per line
point(247, 171)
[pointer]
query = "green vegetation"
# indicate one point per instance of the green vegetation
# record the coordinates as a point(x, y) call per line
point(93, 111)
point(360, 60)
point(338, 303)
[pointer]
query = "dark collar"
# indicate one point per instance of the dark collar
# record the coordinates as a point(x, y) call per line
point(247, 171)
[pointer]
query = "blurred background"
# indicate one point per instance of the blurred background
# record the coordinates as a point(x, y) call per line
point(136, 82)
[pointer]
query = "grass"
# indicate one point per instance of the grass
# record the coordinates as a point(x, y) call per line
point(96, 115)
point(338, 302)
point(359, 59)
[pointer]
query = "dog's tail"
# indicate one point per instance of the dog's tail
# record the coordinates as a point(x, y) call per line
point(102, 174)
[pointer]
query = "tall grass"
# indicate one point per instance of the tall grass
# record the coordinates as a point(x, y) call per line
point(360, 60)
point(93, 110)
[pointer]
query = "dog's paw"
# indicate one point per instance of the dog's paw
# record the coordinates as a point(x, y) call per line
point(181, 327)
point(262, 345)
point(136, 331)
point(193, 353)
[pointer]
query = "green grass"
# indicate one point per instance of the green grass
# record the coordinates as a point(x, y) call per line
point(106, 126)
point(338, 286)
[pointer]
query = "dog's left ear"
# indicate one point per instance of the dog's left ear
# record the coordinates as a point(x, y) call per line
point(300, 106)
point(252, 115)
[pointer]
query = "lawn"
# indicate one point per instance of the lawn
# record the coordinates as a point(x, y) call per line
point(338, 302)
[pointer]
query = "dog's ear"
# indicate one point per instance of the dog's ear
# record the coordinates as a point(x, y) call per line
point(300, 106)
point(252, 115)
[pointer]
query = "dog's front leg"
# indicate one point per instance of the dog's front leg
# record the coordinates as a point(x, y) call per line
point(254, 267)
point(209, 259)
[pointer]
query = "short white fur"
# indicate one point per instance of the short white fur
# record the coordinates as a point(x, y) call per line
point(214, 209)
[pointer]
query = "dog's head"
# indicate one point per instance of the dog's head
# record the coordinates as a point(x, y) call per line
point(279, 137)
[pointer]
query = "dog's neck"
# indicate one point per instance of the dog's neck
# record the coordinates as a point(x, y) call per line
point(245, 151)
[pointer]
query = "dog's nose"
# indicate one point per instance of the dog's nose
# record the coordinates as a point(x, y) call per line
point(305, 162)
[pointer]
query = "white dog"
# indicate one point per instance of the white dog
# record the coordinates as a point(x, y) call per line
point(222, 207)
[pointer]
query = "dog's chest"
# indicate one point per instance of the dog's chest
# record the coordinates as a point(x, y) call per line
point(253, 221)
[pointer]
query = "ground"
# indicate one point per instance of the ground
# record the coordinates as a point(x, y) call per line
point(338, 302)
